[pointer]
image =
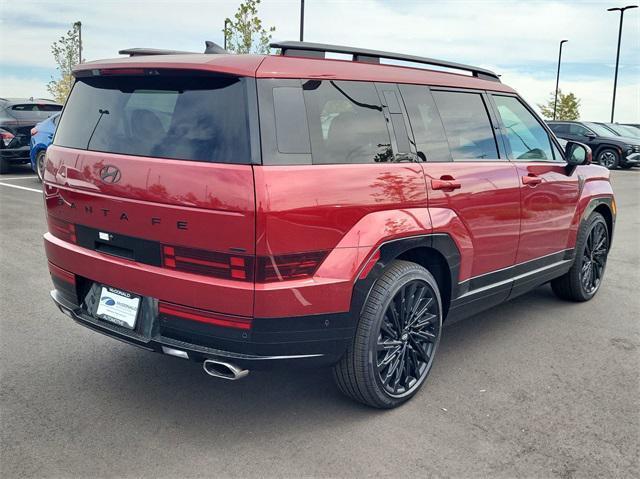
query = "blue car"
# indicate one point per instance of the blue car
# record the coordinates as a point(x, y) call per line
point(41, 137)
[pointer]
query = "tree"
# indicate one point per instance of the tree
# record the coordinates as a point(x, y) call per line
point(245, 33)
point(568, 107)
point(66, 52)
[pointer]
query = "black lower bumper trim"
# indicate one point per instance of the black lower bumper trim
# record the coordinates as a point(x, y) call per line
point(320, 353)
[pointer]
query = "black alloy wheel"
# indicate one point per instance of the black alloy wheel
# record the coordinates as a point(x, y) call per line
point(396, 338)
point(584, 279)
point(594, 258)
point(407, 338)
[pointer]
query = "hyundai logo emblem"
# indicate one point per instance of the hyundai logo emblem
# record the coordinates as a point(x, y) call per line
point(110, 174)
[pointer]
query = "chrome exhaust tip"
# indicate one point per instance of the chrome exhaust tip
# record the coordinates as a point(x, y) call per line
point(219, 369)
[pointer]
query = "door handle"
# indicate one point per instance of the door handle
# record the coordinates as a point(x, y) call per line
point(531, 180)
point(446, 183)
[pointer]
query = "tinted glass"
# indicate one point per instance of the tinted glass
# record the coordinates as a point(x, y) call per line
point(182, 117)
point(466, 123)
point(526, 137)
point(577, 129)
point(431, 141)
point(600, 130)
point(559, 128)
point(292, 133)
point(346, 123)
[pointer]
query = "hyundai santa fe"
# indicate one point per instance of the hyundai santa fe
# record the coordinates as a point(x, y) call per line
point(255, 211)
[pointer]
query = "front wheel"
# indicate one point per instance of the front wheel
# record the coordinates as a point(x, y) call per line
point(608, 158)
point(396, 338)
point(583, 280)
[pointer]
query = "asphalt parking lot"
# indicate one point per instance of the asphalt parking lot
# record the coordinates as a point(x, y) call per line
point(533, 388)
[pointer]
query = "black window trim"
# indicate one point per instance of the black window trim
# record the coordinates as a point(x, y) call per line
point(498, 134)
point(547, 129)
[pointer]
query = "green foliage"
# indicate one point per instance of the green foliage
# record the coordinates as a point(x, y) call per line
point(568, 107)
point(66, 52)
point(245, 33)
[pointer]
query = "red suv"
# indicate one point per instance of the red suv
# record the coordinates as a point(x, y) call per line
point(248, 211)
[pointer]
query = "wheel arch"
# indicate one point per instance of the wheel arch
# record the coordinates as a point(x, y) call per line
point(436, 252)
point(604, 206)
point(607, 146)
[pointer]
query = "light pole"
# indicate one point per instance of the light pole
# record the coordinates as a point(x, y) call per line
point(301, 20)
point(78, 25)
point(615, 78)
point(555, 101)
point(226, 22)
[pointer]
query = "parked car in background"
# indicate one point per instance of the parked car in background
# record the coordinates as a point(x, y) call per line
point(635, 125)
point(17, 117)
point(609, 149)
point(622, 130)
point(41, 138)
point(356, 206)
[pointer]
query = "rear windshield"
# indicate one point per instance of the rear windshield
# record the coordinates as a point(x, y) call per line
point(198, 118)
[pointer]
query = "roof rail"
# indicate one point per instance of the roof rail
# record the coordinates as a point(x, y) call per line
point(318, 50)
point(210, 48)
point(137, 52)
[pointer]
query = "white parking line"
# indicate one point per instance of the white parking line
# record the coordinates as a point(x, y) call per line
point(19, 178)
point(21, 187)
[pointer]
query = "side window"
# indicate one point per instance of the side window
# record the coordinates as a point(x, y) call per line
point(577, 130)
point(430, 138)
point(467, 125)
point(346, 123)
point(559, 128)
point(526, 137)
point(292, 133)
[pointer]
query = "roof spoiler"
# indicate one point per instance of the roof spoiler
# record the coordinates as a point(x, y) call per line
point(318, 50)
point(211, 48)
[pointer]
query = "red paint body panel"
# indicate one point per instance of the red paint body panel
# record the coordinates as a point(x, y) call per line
point(483, 216)
point(548, 209)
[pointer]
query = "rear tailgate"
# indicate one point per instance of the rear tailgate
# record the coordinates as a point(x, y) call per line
point(155, 219)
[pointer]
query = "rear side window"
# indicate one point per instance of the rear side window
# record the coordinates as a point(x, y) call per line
point(526, 137)
point(346, 122)
point(467, 125)
point(199, 118)
point(428, 131)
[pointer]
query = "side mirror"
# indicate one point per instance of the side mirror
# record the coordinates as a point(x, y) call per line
point(577, 153)
point(590, 135)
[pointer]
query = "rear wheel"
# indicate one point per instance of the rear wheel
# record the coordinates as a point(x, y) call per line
point(40, 164)
point(608, 158)
point(396, 338)
point(584, 278)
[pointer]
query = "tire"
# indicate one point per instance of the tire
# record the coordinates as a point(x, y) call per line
point(389, 360)
point(4, 166)
point(40, 164)
point(583, 280)
point(608, 158)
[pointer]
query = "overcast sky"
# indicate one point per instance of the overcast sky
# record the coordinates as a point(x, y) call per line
point(517, 39)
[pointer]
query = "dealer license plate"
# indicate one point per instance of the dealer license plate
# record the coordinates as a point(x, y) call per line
point(118, 307)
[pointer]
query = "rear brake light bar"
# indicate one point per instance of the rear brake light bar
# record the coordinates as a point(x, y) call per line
point(241, 267)
point(169, 310)
point(62, 229)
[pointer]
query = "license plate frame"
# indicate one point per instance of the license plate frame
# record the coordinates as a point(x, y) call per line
point(118, 307)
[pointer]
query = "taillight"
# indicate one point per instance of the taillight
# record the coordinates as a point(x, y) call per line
point(62, 229)
point(34, 131)
point(169, 310)
point(289, 266)
point(6, 136)
point(209, 263)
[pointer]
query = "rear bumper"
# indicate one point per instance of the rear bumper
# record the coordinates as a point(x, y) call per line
point(20, 154)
